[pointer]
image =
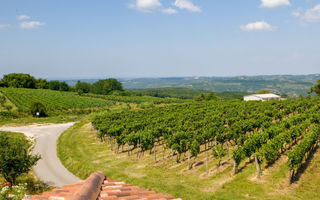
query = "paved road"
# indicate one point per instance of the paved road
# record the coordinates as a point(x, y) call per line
point(49, 169)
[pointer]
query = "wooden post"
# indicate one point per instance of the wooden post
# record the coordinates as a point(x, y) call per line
point(171, 157)
point(189, 159)
point(138, 149)
point(111, 143)
point(163, 153)
point(290, 177)
point(234, 171)
point(128, 149)
point(257, 165)
point(207, 162)
point(155, 153)
point(115, 146)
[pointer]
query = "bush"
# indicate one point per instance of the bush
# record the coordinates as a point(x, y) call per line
point(37, 107)
point(15, 157)
point(15, 193)
point(2, 100)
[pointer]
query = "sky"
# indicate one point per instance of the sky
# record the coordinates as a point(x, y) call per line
point(159, 38)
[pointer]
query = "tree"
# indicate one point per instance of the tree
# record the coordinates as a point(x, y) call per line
point(211, 96)
point(264, 92)
point(16, 80)
point(63, 86)
point(37, 107)
point(316, 88)
point(83, 87)
point(201, 97)
point(15, 157)
point(106, 86)
point(54, 85)
point(42, 84)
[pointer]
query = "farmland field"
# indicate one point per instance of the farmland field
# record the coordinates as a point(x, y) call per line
point(53, 100)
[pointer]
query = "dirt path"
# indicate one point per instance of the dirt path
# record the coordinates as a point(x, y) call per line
point(49, 169)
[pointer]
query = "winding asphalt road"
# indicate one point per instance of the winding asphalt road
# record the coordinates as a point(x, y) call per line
point(49, 169)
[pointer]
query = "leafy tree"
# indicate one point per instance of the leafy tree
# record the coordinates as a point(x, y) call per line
point(37, 107)
point(54, 85)
point(63, 86)
point(15, 157)
point(42, 84)
point(264, 92)
point(18, 81)
point(83, 87)
point(316, 88)
point(106, 86)
point(210, 96)
point(201, 97)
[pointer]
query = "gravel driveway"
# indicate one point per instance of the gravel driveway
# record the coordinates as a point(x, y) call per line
point(49, 169)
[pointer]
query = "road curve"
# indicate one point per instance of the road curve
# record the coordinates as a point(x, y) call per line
point(49, 169)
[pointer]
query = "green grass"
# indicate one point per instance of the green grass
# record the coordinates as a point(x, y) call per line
point(83, 154)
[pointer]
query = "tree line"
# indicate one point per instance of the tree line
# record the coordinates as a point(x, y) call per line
point(20, 80)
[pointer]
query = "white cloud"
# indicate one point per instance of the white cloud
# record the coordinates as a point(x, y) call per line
point(169, 11)
point(274, 3)
point(31, 24)
point(312, 14)
point(297, 13)
point(146, 5)
point(23, 17)
point(3, 26)
point(258, 26)
point(188, 5)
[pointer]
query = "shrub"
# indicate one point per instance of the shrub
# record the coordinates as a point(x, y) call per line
point(15, 157)
point(37, 107)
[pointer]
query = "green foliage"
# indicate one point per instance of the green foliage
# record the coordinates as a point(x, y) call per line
point(54, 101)
point(2, 100)
point(263, 92)
point(42, 84)
point(57, 85)
point(218, 152)
point(316, 88)
point(15, 157)
point(257, 127)
point(14, 193)
point(106, 86)
point(195, 148)
point(295, 157)
point(37, 107)
point(211, 96)
point(83, 87)
point(18, 81)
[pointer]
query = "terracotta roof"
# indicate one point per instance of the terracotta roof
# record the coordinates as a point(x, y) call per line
point(98, 187)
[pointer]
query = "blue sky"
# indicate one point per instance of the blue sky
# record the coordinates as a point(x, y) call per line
point(159, 38)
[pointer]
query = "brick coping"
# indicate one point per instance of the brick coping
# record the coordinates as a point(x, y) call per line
point(98, 187)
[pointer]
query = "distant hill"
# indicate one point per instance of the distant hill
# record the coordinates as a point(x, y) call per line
point(183, 93)
point(292, 85)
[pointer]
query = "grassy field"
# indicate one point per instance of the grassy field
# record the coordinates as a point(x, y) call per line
point(83, 154)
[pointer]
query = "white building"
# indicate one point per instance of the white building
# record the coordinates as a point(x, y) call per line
point(261, 97)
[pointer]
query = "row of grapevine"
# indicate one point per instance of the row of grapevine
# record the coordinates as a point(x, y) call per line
point(296, 156)
point(250, 127)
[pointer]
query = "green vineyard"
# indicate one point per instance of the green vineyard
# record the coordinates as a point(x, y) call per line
point(262, 131)
point(53, 100)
